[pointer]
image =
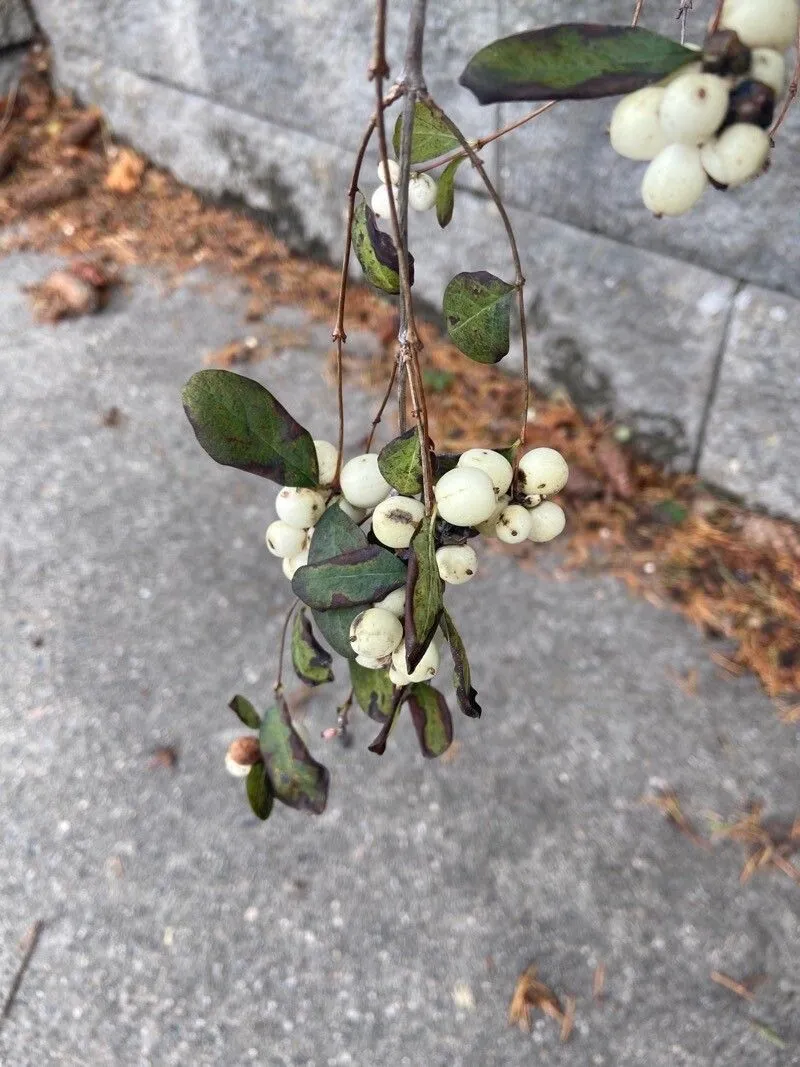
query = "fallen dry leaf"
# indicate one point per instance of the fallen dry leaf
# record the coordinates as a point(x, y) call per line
point(125, 174)
point(530, 994)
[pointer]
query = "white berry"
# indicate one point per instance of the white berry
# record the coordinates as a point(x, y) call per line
point(356, 514)
point(514, 525)
point(299, 507)
point(421, 192)
point(373, 664)
point(543, 471)
point(242, 754)
point(547, 521)
point(238, 770)
point(674, 181)
point(284, 540)
point(291, 564)
point(375, 633)
point(635, 129)
point(362, 483)
point(426, 668)
point(395, 519)
point(393, 168)
point(394, 602)
point(380, 202)
point(769, 68)
point(693, 108)
point(489, 528)
point(492, 463)
point(465, 496)
point(738, 155)
point(456, 563)
point(762, 23)
point(326, 461)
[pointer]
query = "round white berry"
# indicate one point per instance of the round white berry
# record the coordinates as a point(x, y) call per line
point(395, 519)
point(299, 507)
point(769, 68)
point(762, 23)
point(635, 128)
point(284, 540)
point(393, 168)
point(693, 108)
point(456, 563)
point(421, 192)
point(375, 633)
point(380, 202)
point(291, 564)
point(465, 496)
point(492, 463)
point(489, 528)
point(394, 602)
point(242, 754)
point(326, 461)
point(738, 154)
point(547, 521)
point(362, 483)
point(543, 471)
point(356, 514)
point(238, 770)
point(687, 68)
point(674, 181)
point(373, 664)
point(514, 525)
point(426, 668)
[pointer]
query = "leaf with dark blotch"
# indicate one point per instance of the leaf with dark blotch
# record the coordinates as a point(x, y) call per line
point(312, 664)
point(425, 590)
point(335, 628)
point(296, 778)
point(477, 311)
point(334, 534)
point(242, 707)
point(446, 193)
point(431, 137)
point(241, 424)
point(466, 695)
point(572, 61)
point(360, 576)
point(432, 719)
point(259, 791)
point(400, 462)
point(373, 691)
point(376, 252)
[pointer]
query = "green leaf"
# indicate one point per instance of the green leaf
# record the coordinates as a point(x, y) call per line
point(373, 691)
point(335, 628)
point(376, 252)
point(296, 778)
point(425, 589)
point(241, 424)
point(477, 310)
point(242, 707)
point(462, 679)
point(572, 61)
point(378, 746)
point(259, 791)
point(360, 576)
point(431, 137)
point(400, 462)
point(509, 453)
point(432, 719)
point(437, 380)
point(446, 193)
point(312, 664)
point(336, 533)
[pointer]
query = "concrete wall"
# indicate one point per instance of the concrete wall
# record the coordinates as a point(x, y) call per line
point(688, 328)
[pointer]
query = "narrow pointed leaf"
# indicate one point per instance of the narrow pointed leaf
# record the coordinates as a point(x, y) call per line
point(432, 719)
point(373, 691)
point(259, 791)
point(425, 589)
point(400, 462)
point(477, 311)
point(431, 137)
point(572, 61)
point(241, 424)
point(510, 453)
point(376, 251)
point(378, 746)
point(247, 714)
point(360, 576)
point(336, 533)
point(462, 679)
point(312, 664)
point(296, 778)
point(446, 193)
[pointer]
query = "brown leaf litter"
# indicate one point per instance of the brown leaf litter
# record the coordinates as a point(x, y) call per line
point(532, 994)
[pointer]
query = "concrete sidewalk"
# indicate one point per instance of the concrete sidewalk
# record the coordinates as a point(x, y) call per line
point(138, 596)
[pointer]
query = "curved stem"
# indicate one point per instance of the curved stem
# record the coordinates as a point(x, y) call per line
point(278, 687)
point(791, 92)
point(382, 408)
point(714, 26)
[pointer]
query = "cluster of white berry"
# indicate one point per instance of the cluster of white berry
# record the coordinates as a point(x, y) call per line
point(421, 190)
point(474, 496)
point(708, 123)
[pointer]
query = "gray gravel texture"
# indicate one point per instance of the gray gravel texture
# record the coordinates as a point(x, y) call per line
point(137, 597)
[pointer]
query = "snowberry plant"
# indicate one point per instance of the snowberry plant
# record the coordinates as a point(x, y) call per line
point(371, 542)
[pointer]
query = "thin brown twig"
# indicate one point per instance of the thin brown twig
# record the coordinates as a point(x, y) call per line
point(637, 11)
point(382, 408)
point(481, 142)
point(732, 985)
point(714, 24)
point(599, 982)
point(278, 687)
point(791, 92)
point(11, 102)
point(30, 942)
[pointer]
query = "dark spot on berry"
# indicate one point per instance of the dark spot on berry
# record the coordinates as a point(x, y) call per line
point(468, 571)
point(701, 94)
